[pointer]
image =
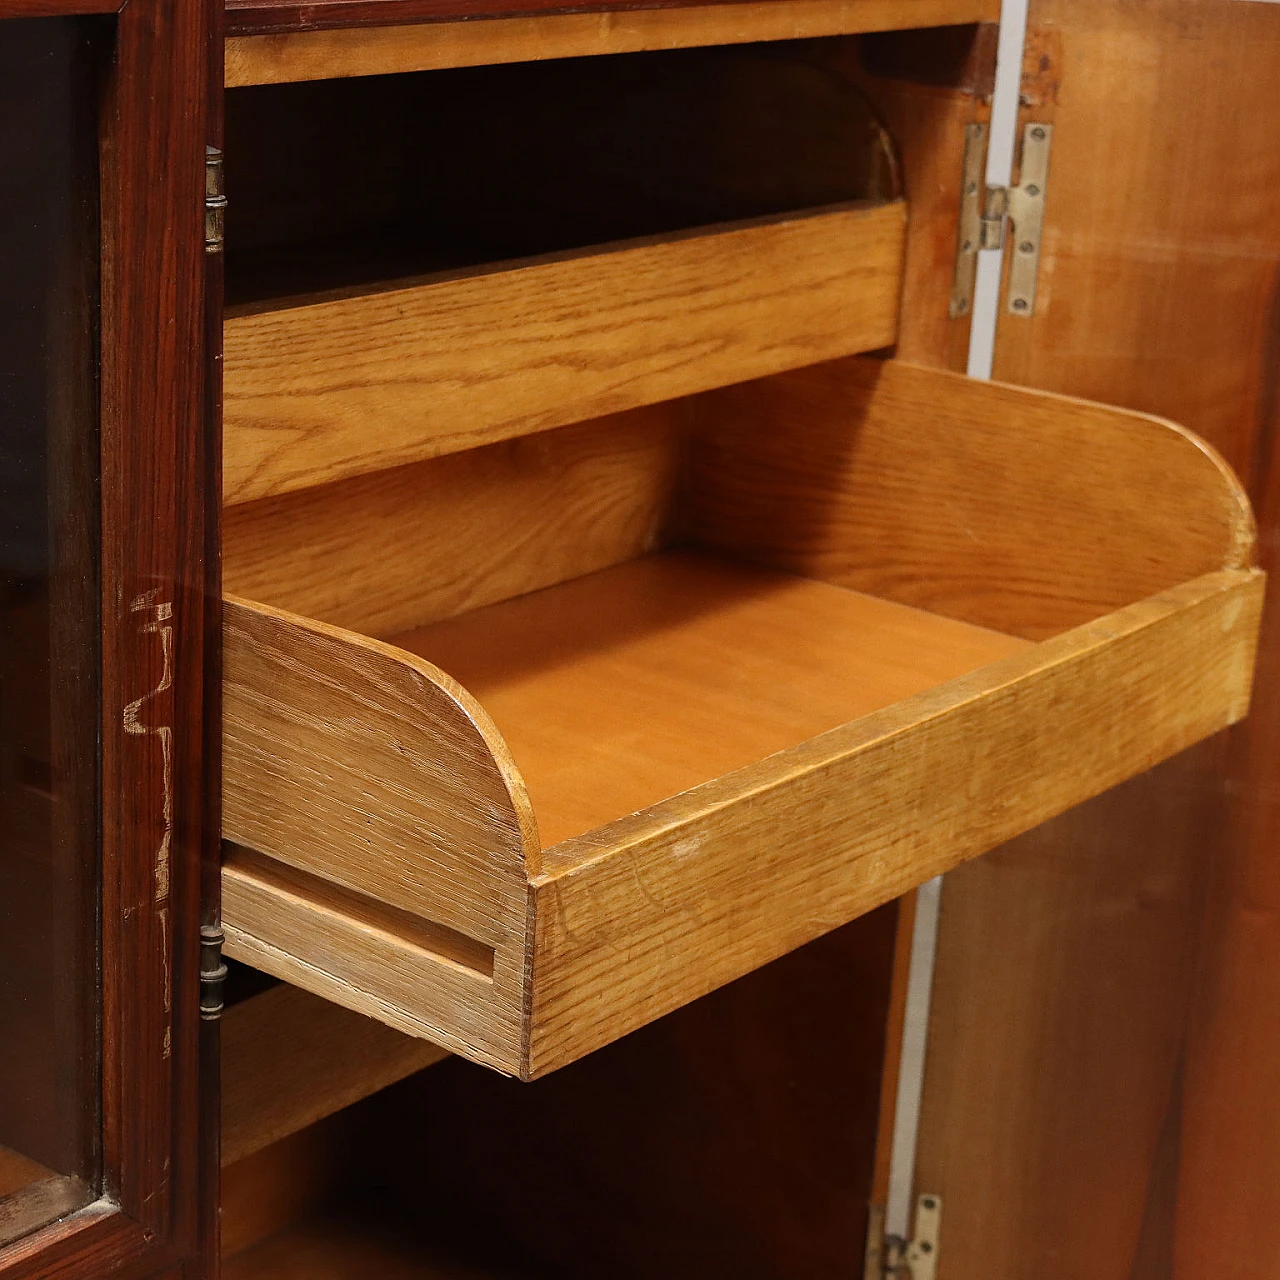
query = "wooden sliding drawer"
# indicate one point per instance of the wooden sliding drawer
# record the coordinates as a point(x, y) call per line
point(528, 746)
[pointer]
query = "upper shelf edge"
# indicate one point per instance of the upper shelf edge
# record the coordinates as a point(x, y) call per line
point(331, 38)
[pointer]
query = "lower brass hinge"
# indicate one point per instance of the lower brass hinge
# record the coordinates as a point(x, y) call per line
point(213, 972)
point(987, 213)
point(892, 1258)
point(215, 201)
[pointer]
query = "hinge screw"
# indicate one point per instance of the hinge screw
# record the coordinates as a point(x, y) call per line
point(1038, 133)
point(1026, 247)
point(1019, 304)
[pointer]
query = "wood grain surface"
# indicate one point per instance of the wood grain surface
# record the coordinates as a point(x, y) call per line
point(629, 686)
point(746, 1120)
point(290, 1058)
point(660, 688)
point(325, 53)
point(396, 549)
point(928, 87)
point(1024, 512)
point(1157, 1148)
point(285, 1183)
point(387, 797)
point(450, 365)
point(653, 911)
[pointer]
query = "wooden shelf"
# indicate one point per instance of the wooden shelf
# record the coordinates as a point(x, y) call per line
point(290, 1058)
point(454, 362)
point(633, 787)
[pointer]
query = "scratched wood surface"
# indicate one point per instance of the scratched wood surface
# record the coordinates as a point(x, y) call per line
point(156, 505)
point(386, 49)
point(458, 363)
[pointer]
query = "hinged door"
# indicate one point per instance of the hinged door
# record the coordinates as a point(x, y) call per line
point(107, 621)
point(1100, 1078)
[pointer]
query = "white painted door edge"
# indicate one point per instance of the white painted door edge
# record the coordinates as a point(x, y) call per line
point(924, 938)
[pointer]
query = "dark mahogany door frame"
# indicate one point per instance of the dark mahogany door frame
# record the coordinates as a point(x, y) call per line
point(159, 617)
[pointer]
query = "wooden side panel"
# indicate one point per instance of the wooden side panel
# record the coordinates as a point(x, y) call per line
point(396, 832)
point(1230, 1149)
point(1161, 253)
point(927, 87)
point(319, 392)
point(653, 911)
point(815, 473)
point(397, 549)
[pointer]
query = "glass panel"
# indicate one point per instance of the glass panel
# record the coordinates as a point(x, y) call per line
point(49, 874)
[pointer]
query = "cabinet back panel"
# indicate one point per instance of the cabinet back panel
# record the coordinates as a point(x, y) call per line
point(733, 1138)
point(347, 182)
point(396, 549)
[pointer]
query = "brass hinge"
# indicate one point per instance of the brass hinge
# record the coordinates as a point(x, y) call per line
point(971, 208)
point(987, 213)
point(892, 1258)
point(215, 201)
point(213, 972)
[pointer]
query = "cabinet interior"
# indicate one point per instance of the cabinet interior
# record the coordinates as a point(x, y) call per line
point(566, 161)
point(735, 1137)
point(646, 591)
point(338, 183)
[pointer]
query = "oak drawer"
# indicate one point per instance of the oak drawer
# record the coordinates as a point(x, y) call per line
point(855, 624)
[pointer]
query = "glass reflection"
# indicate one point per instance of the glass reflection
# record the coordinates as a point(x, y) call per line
point(49, 1105)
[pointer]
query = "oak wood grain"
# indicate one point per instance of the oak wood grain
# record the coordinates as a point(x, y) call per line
point(1026, 513)
point(674, 714)
point(655, 910)
point(699, 886)
point(290, 1058)
point(365, 769)
point(322, 53)
point(397, 549)
point(449, 365)
point(621, 689)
